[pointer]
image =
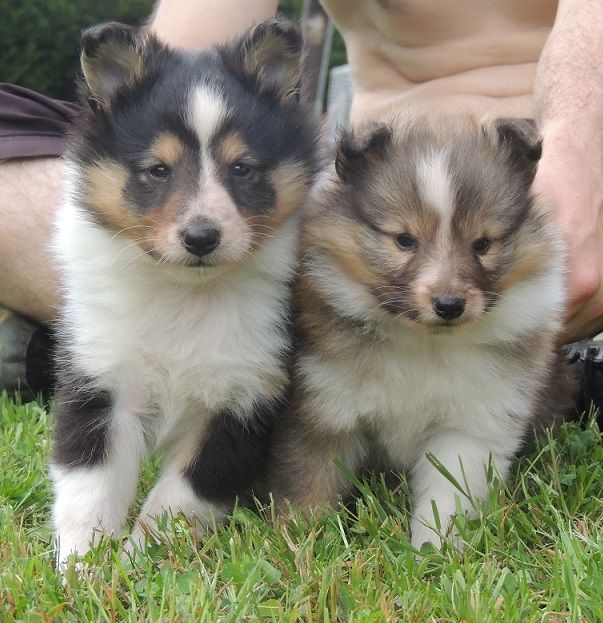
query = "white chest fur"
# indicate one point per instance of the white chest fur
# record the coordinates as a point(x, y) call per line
point(166, 336)
point(404, 393)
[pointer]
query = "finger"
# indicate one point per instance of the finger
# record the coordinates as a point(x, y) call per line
point(587, 322)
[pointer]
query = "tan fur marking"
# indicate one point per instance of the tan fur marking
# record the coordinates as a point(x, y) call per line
point(291, 183)
point(232, 147)
point(490, 260)
point(526, 262)
point(158, 225)
point(341, 241)
point(167, 148)
point(103, 192)
point(104, 185)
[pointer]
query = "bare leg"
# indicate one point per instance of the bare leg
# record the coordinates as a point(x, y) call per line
point(30, 192)
point(208, 22)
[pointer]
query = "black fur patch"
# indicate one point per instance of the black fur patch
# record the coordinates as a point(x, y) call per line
point(233, 455)
point(82, 420)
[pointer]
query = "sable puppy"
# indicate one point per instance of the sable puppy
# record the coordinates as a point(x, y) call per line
point(428, 305)
point(177, 242)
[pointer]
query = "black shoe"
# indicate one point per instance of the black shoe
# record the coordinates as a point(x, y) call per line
point(586, 359)
point(26, 356)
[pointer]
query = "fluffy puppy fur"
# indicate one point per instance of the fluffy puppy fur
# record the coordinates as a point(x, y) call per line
point(428, 306)
point(177, 242)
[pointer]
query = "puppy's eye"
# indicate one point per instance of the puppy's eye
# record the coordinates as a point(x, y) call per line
point(239, 169)
point(160, 171)
point(481, 245)
point(406, 241)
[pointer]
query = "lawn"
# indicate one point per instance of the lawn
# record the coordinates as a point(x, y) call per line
point(536, 554)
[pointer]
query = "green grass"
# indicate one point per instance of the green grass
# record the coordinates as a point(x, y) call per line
point(536, 554)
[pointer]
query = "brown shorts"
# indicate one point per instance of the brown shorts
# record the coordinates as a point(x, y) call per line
point(32, 124)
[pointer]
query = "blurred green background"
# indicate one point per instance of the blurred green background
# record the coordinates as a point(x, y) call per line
point(39, 39)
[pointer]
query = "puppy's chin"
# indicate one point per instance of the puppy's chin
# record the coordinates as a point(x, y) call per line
point(193, 275)
point(187, 269)
point(212, 263)
point(433, 328)
point(432, 325)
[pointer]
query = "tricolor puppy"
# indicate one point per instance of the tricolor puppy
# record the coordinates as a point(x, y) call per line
point(429, 302)
point(177, 243)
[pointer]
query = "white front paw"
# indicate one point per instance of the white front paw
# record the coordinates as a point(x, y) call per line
point(421, 532)
point(66, 547)
point(75, 543)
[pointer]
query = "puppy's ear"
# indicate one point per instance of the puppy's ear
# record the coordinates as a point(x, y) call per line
point(270, 55)
point(354, 153)
point(519, 138)
point(113, 55)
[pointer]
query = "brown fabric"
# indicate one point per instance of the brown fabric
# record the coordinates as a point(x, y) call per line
point(32, 124)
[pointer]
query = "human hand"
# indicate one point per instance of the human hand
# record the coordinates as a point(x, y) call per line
point(570, 180)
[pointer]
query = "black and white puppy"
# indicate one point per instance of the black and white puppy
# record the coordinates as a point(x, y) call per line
point(429, 303)
point(177, 242)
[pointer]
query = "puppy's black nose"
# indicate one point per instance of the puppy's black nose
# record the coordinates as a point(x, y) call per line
point(448, 307)
point(200, 239)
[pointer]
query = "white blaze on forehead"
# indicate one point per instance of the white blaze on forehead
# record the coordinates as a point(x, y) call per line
point(435, 184)
point(212, 203)
point(436, 191)
point(207, 112)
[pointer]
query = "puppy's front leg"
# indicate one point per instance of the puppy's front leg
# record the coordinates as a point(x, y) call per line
point(202, 479)
point(466, 458)
point(98, 447)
